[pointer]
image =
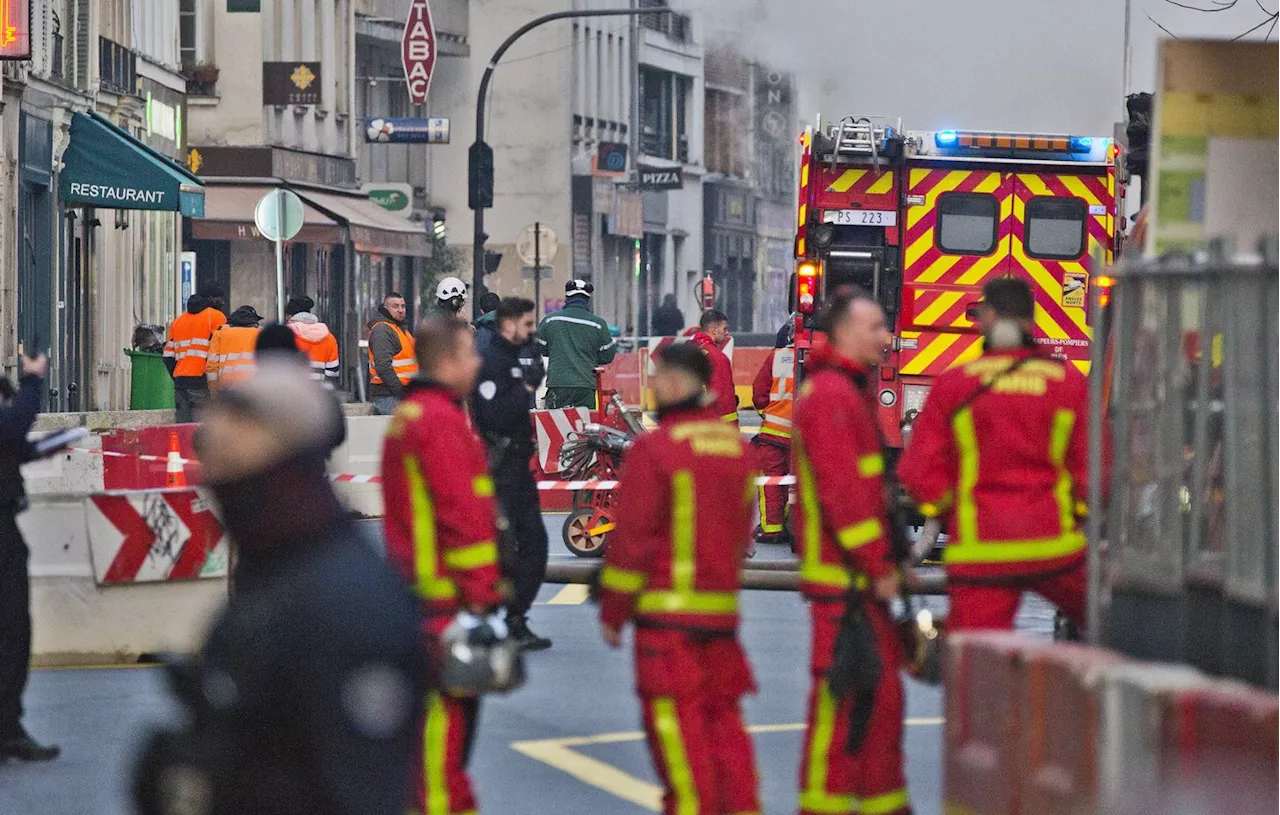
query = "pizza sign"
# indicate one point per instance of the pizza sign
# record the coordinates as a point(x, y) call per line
point(418, 50)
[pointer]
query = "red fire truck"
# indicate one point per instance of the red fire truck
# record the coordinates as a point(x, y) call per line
point(923, 219)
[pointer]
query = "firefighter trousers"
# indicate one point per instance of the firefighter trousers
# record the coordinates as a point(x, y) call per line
point(993, 605)
point(834, 781)
point(440, 782)
point(690, 687)
point(774, 459)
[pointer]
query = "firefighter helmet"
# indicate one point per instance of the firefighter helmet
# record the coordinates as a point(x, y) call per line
point(480, 657)
point(923, 639)
point(451, 287)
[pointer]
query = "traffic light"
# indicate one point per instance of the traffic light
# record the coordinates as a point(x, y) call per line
point(480, 176)
point(1137, 132)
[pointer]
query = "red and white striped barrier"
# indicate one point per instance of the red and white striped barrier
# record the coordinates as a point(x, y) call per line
point(113, 454)
point(151, 536)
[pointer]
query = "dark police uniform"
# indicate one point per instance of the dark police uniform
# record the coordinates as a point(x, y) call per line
point(15, 590)
point(500, 406)
point(306, 692)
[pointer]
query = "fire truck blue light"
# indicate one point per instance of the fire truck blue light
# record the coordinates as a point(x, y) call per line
point(946, 138)
point(1081, 144)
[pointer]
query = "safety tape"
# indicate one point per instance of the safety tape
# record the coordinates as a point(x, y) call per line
point(114, 454)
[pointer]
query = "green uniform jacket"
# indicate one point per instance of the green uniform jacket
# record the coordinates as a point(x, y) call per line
point(575, 342)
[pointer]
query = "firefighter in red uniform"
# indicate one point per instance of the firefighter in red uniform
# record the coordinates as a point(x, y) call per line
point(1001, 449)
point(846, 565)
point(684, 521)
point(440, 530)
point(711, 335)
point(771, 394)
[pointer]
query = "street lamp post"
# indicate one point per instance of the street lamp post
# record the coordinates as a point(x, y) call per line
point(480, 158)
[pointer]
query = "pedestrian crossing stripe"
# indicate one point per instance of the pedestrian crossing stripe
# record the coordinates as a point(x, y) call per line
point(574, 594)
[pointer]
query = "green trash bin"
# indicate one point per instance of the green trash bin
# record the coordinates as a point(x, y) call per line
point(152, 387)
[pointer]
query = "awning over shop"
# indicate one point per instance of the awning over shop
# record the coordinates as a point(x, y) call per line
point(104, 166)
point(228, 216)
point(373, 229)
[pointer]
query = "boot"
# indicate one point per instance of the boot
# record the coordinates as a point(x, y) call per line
point(523, 637)
point(25, 748)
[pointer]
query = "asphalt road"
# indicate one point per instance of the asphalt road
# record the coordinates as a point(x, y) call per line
point(566, 744)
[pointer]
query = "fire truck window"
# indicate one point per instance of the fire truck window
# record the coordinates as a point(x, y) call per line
point(967, 223)
point(1056, 227)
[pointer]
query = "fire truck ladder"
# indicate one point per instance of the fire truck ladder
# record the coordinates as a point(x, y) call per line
point(860, 136)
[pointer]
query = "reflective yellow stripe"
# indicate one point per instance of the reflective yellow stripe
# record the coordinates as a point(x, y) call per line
point(429, 585)
point(688, 602)
point(434, 749)
point(1064, 421)
point(884, 804)
point(814, 797)
point(870, 466)
point(482, 486)
point(771, 431)
point(730, 417)
point(932, 509)
point(682, 526)
point(860, 534)
point(616, 579)
point(967, 446)
point(812, 569)
point(472, 557)
point(679, 773)
point(1015, 551)
point(765, 526)
point(1082, 509)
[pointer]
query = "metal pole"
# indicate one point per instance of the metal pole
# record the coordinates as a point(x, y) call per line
point(280, 254)
point(1097, 512)
point(537, 270)
point(478, 238)
point(633, 151)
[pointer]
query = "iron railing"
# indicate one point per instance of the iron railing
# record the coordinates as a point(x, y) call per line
point(117, 67)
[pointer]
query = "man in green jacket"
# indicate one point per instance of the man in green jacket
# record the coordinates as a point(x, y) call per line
point(575, 342)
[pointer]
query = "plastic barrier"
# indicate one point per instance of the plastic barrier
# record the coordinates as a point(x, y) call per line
point(152, 536)
point(140, 464)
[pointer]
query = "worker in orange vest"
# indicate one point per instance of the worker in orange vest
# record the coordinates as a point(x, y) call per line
point(392, 363)
point(315, 340)
point(186, 353)
point(771, 394)
point(231, 349)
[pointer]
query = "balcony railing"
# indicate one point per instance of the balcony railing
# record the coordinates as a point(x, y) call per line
point(117, 67)
point(678, 27)
point(55, 56)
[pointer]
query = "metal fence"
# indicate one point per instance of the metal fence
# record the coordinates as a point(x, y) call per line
point(1183, 564)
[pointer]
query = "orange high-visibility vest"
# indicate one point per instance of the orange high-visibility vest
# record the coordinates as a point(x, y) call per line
point(231, 355)
point(776, 417)
point(405, 361)
point(189, 338)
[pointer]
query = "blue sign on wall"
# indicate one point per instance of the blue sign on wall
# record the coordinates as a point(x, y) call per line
point(387, 130)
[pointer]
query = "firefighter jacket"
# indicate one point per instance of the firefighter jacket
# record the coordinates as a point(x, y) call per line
point(186, 353)
point(575, 342)
point(721, 387)
point(231, 355)
point(316, 341)
point(440, 521)
point(772, 393)
point(1008, 468)
point(841, 523)
point(684, 521)
point(392, 361)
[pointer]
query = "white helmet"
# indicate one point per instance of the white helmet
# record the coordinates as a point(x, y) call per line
point(450, 288)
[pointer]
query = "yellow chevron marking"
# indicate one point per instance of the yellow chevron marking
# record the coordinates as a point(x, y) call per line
point(989, 184)
point(846, 180)
point(929, 353)
point(1033, 183)
point(969, 354)
point(1082, 364)
point(981, 268)
point(937, 308)
point(804, 174)
point(953, 179)
point(804, 212)
point(937, 269)
point(882, 184)
point(916, 250)
point(800, 247)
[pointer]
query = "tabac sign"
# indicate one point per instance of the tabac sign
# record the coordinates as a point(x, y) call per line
point(418, 50)
point(15, 29)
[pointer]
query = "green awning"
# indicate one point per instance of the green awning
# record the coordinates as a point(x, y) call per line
point(104, 166)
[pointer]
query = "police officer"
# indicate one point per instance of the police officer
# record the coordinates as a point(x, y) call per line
point(17, 414)
point(1016, 422)
point(501, 405)
point(307, 690)
point(674, 568)
point(853, 760)
point(441, 532)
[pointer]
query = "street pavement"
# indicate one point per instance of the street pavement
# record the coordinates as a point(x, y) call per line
point(568, 743)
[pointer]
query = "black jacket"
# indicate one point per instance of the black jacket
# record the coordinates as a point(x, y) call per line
point(16, 419)
point(501, 402)
point(668, 321)
point(308, 688)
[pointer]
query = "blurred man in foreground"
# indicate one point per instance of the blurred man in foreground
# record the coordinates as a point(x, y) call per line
point(441, 536)
point(306, 693)
point(684, 523)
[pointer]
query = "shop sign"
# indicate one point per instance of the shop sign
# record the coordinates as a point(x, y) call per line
point(418, 50)
point(397, 198)
point(15, 29)
point(290, 83)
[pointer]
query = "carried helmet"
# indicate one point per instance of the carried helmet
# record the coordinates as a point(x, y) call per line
point(480, 657)
point(579, 287)
point(923, 639)
point(451, 287)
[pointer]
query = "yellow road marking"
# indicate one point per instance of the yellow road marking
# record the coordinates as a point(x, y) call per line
point(574, 594)
point(559, 754)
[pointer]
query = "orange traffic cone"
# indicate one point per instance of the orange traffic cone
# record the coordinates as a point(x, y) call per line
point(174, 474)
